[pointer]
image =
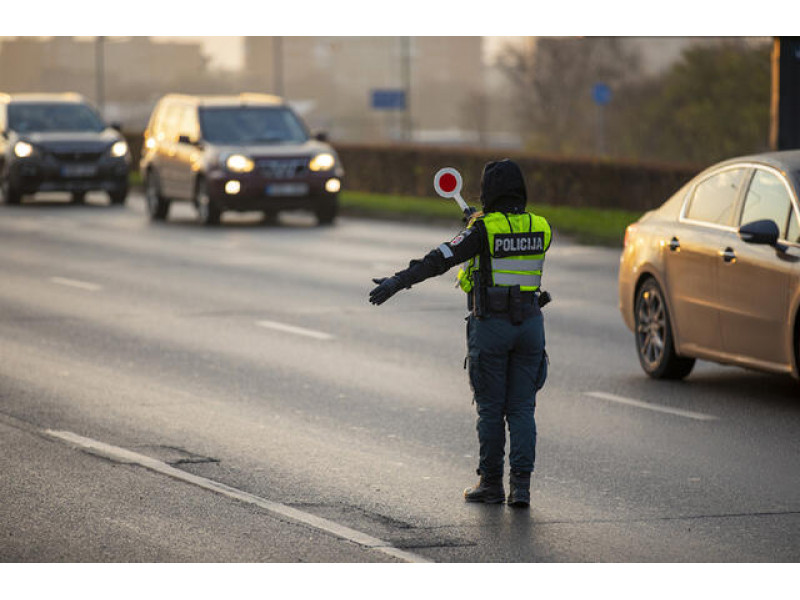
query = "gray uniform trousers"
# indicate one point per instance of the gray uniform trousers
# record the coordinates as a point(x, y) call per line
point(507, 366)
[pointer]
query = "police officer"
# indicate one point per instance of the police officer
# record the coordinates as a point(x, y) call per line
point(504, 249)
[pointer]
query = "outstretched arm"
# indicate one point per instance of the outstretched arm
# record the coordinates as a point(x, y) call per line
point(464, 246)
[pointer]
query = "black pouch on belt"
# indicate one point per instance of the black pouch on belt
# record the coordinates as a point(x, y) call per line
point(515, 305)
point(497, 299)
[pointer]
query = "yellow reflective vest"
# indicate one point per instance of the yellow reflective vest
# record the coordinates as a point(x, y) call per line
point(517, 245)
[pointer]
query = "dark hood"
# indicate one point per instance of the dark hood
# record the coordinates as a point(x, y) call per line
point(75, 141)
point(503, 187)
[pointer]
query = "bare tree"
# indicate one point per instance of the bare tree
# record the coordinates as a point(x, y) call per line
point(475, 115)
point(553, 83)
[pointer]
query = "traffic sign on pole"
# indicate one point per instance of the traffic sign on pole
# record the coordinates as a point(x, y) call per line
point(601, 94)
point(389, 99)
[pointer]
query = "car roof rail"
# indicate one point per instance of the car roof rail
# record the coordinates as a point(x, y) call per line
point(42, 96)
point(265, 98)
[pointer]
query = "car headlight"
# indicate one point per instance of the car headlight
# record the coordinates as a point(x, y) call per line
point(322, 162)
point(23, 149)
point(239, 163)
point(119, 149)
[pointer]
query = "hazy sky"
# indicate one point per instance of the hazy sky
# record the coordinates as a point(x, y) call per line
point(227, 52)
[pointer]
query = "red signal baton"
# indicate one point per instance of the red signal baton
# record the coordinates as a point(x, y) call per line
point(447, 182)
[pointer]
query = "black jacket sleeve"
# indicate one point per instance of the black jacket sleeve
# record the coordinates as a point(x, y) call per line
point(468, 243)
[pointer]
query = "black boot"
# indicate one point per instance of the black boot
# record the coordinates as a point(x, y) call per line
point(489, 490)
point(520, 494)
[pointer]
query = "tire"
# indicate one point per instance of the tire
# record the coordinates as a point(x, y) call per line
point(157, 205)
point(117, 197)
point(654, 340)
point(208, 212)
point(78, 197)
point(11, 195)
point(326, 212)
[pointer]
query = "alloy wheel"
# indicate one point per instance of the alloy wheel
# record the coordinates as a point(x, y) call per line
point(651, 327)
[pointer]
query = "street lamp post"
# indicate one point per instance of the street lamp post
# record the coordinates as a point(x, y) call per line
point(406, 61)
point(99, 66)
point(277, 65)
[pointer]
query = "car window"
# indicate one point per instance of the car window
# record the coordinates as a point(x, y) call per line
point(793, 231)
point(715, 197)
point(767, 198)
point(45, 117)
point(251, 125)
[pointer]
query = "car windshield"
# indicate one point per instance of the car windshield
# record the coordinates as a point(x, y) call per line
point(41, 117)
point(251, 125)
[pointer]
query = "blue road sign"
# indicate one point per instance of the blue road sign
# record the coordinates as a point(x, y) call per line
point(389, 99)
point(601, 94)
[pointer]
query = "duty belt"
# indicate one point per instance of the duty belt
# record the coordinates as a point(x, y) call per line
point(504, 301)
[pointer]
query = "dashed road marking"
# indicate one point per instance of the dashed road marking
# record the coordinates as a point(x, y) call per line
point(121, 455)
point(83, 285)
point(655, 407)
point(318, 335)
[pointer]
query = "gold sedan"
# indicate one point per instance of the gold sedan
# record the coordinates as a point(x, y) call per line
point(714, 273)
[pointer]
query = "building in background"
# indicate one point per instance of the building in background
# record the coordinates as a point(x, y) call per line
point(136, 70)
point(459, 94)
point(331, 81)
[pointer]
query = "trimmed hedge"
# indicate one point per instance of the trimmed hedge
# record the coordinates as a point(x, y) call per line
point(408, 170)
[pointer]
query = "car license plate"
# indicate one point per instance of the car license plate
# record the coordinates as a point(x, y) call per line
point(79, 171)
point(287, 189)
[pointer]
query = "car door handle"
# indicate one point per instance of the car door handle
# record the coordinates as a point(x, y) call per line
point(674, 244)
point(728, 255)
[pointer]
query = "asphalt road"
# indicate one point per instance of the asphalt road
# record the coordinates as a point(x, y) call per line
point(175, 393)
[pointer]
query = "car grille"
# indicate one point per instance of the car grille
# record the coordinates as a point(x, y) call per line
point(76, 157)
point(282, 168)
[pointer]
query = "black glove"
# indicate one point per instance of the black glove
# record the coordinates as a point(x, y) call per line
point(387, 287)
point(468, 213)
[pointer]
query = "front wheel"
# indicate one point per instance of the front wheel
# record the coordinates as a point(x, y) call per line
point(11, 195)
point(117, 197)
point(327, 210)
point(207, 210)
point(157, 205)
point(654, 339)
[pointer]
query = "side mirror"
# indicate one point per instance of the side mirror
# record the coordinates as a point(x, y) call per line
point(184, 139)
point(321, 136)
point(764, 231)
point(117, 126)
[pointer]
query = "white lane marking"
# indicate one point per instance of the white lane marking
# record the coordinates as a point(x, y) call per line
point(664, 409)
point(83, 285)
point(319, 335)
point(121, 455)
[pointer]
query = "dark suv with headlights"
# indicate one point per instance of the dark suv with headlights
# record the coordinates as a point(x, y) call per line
point(249, 152)
point(58, 143)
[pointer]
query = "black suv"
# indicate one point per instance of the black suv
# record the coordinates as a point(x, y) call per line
point(58, 142)
point(249, 152)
